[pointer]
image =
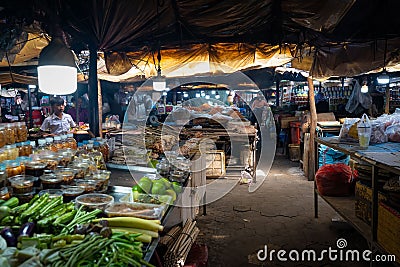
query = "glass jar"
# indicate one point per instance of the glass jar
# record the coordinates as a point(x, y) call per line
point(3, 155)
point(66, 174)
point(9, 134)
point(3, 174)
point(57, 143)
point(22, 132)
point(23, 160)
point(4, 193)
point(51, 160)
point(71, 141)
point(2, 136)
point(12, 151)
point(64, 141)
point(42, 147)
point(50, 144)
point(98, 159)
point(19, 147)
point(67, 156)
point(26, 149)
point(13, 167)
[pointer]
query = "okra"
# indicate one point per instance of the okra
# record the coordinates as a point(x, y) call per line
point(67, 217)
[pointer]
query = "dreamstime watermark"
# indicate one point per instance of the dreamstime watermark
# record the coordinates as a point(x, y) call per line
point(340, 253)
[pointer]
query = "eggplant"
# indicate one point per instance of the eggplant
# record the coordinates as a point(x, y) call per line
point(9, 236)
point(103, 223)
point(27, 229)
point(106, 232)
point(80, 229)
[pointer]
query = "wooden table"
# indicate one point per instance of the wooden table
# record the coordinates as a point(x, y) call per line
point(379, 156)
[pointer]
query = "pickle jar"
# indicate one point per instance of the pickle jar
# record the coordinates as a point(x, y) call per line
point(23, 160)
point(9, 134)
point(71, 141)
point(26, 148)
point(22, 132)
point(2, 136)
point(57, 143)
point(13, 168)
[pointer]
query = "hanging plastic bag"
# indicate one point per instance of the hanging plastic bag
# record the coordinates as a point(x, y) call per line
point(364, 131)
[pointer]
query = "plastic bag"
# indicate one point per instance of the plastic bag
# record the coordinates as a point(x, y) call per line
point(393, 133)
point(335, 180)
point(345, 134)
point(358, 100)
point(364, 130)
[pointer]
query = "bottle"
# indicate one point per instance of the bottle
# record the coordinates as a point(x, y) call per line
point(71, 141)
point(33, 147)
point(50, 145)
point(57, 143)
point(64, 141)
point(42, 146)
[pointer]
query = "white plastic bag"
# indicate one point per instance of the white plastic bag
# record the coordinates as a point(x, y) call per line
point(364, 131)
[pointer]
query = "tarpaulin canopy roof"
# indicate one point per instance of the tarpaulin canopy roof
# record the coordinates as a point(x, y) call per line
point(347, 37)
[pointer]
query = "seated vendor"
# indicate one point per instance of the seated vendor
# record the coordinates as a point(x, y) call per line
point(58, 122)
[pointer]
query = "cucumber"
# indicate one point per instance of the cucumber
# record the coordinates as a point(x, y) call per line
point(11, 203)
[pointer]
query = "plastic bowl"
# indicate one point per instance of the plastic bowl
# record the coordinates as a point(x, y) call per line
point(94, 201)
point(22, 184)
point(52, 192)
point(51, 181)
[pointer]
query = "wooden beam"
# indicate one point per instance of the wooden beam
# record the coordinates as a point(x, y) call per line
point(93, 92)
point(387, 104)
point(313, 126)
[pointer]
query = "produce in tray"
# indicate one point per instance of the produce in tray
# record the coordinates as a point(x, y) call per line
point(140, 210)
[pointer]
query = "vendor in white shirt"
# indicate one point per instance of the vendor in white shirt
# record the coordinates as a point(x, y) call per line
point(58, 122)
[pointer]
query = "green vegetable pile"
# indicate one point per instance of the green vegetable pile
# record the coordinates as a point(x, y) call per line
point(50, 215)
point(119, 250)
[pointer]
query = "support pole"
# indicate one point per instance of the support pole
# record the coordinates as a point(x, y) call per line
point(30, 125)
point(93, 92)
point(387, 104)
point(277, 92)
point(313, 126)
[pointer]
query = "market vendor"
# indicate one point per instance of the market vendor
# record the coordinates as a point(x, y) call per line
point(58, 122)
point(259, 107)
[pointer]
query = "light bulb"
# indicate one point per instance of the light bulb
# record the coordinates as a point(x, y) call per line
point(364, 88)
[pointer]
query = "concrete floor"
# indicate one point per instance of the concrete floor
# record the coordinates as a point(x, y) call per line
point(280, 215)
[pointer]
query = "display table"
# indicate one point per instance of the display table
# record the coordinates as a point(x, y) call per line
point(246, 141)
point(380, 156)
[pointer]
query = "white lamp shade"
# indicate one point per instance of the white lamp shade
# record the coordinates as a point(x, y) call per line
point(159, 84)
point(383, 79)
point(57, 80)
point(364, 89)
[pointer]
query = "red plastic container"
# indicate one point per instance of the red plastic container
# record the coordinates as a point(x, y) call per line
point(295, 132)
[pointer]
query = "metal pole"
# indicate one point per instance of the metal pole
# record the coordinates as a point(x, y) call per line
point(277, 92)
point(30, 108)
point(93, 92)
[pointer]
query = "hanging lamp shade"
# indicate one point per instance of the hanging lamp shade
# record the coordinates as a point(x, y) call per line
point(383, 78)
point(159, 83)
point(57, 73)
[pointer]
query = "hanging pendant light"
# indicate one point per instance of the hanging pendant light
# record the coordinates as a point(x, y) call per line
point(384, 77)
point(57, 72)
point(159, 82)
point(364, 88)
